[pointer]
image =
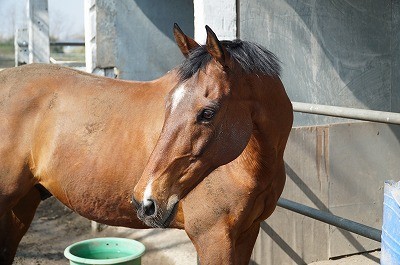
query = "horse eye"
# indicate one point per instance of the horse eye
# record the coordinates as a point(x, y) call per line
point(206, 115)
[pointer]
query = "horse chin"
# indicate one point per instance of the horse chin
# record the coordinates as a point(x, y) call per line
point(160, 221)
point(171, 215)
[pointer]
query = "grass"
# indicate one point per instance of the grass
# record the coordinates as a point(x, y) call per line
point(76, 54)
point(7, 53)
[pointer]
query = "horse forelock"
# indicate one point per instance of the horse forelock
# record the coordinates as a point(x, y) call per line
point(251, 57)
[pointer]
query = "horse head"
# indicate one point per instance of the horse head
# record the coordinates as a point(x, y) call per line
point(208, 123)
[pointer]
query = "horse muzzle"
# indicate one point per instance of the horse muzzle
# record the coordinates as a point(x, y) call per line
point(153, 214)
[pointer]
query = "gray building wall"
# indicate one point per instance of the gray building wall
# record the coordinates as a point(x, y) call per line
point(337, 168)
point(147, 48)
point(395, 56)
point(136, 36)
point(333, 52)
point(341, 53)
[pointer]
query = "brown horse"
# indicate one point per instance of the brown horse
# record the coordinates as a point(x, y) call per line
point(199, 149)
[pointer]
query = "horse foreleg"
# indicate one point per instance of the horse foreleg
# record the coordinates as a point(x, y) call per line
point(218, 247)
point(245, 244)
point(213, 246)
point(14, 223)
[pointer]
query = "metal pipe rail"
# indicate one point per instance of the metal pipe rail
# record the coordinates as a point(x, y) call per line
point(24, 44)
point(67, 43)
point(331, 219)
point(349, 113)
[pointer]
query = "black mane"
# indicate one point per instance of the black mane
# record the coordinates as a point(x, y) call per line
point(252, 57)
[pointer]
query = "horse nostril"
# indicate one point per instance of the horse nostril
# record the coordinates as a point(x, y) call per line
point(149, 207)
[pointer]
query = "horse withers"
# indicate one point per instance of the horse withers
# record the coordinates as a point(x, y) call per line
point(199, 149)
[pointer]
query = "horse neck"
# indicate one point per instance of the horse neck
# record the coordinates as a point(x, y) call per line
point(167, 81)
point(258, 158)
point(272, 117)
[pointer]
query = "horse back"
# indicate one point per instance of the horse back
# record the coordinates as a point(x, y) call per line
point(74, 129)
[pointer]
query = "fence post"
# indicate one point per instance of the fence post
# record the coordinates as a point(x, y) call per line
point(221, 16)
point(100, 37)
point(21, 47)
point(38, 31)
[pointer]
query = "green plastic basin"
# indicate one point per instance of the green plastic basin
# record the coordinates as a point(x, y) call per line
point(105, 250)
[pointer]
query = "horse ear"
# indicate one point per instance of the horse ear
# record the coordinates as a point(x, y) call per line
point(185, 43)
point(214, 47)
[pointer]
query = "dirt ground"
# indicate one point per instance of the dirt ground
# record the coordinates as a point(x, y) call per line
point(55, 227)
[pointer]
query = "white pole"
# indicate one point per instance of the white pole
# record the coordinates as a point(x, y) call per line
point(38, 31)
point(21, 46)
point(220, 15)
point(90, 35)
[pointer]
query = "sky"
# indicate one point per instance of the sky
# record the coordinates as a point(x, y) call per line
point(66, 18)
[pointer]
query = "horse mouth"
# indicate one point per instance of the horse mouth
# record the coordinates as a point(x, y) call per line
point(171, 215)
point(159, 221)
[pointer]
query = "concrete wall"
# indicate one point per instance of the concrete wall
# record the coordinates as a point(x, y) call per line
point(136, 36)
point(220, 15)
point(338, 168)
point(341, 53)
point(332, 52)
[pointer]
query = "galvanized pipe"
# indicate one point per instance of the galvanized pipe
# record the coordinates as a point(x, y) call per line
point(349, 113)
point(67, 43)
point(331, 219)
